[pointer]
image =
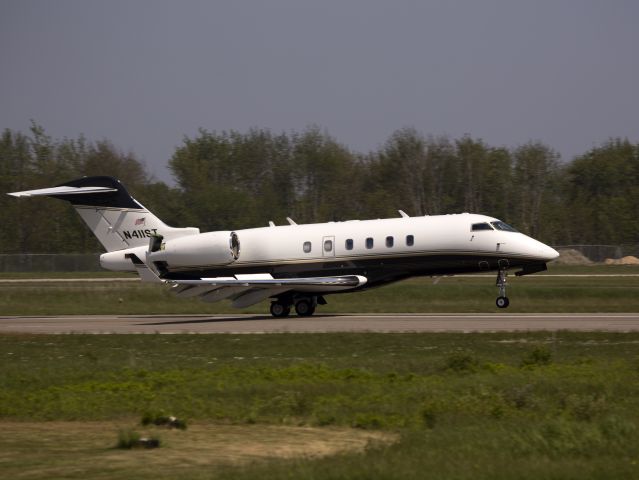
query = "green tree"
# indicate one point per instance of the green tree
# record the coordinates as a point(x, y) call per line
point(324, 178)
point(534, 164)
point(603, 194)
point(36, 160)
point(405, 172)
point(484, 176)
point(234, 180)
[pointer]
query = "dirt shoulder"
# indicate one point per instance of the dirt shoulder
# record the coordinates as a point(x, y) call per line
point(34, 450)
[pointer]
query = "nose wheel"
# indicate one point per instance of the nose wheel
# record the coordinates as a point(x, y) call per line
point(502, 300)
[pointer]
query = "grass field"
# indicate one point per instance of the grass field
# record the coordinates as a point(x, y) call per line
point(445, 406)
point(326, 406)
point(592, 289)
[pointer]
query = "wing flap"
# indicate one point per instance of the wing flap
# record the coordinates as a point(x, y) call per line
point(339, 282)
point(222, 293)
point(255, 295)
point(246, 290)
point(195, 291)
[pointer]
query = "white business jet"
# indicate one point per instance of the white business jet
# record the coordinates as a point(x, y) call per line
point(294, 265)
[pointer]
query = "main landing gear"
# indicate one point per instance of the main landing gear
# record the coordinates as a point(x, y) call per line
point(502, 300)
point(304, 306)
point(280, 309)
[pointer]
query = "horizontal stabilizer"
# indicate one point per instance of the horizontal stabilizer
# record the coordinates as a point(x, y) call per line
point(100, 191)
point(64, 190)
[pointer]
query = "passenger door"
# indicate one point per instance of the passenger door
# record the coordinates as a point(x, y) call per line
point(328, 246)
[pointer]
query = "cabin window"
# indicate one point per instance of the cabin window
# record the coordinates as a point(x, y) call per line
point(410, 240)
point(328, 245)
point(480, 226)
point(369, 242)
point(349, 244)
point(390, 241)
point(499, 225)
point(307, 247)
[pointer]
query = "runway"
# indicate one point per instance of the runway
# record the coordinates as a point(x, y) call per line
point(239, 324)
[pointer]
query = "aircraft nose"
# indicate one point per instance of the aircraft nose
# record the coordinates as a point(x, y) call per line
point(548, 253)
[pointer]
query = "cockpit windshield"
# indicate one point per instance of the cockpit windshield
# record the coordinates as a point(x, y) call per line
point(499, 225)
point(480, 226)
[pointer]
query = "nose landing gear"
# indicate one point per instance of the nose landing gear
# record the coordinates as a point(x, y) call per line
point(502, 300)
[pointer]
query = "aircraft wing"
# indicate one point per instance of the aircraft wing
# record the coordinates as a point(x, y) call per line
point(247, 290)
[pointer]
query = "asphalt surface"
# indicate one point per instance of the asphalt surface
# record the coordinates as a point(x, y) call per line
point(167, 324)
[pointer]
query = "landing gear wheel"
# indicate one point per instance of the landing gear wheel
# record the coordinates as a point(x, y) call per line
point(502, 302)
point(304, 308)
point(280, 310)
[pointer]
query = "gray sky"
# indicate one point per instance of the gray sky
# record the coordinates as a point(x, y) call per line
point(144, 73)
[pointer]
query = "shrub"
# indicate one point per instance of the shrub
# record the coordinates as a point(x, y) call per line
point(585, 407)
point(428, 417)
point(163, 421)
point(128, 439)
point(462, 362)
point(368, 421)
point(538, 357)
point(521, 397)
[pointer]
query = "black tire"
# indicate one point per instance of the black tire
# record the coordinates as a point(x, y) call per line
point(502, 302)
point(304, 308)
point(280, 309)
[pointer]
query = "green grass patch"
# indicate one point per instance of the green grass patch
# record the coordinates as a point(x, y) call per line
point(502, 405)
point(594, 269)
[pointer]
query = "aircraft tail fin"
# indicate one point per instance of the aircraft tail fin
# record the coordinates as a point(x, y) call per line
point(115, 217)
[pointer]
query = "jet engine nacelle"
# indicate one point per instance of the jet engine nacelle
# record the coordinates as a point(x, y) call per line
point(211, 248)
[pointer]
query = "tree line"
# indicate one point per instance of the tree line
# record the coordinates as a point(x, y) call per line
point(232, 180)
